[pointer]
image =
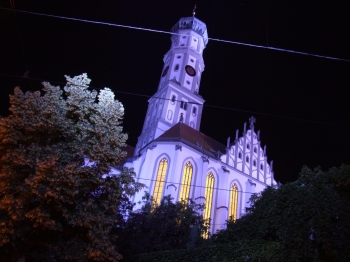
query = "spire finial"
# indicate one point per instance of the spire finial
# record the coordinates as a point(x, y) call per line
point(252, 120)
point(194, 10)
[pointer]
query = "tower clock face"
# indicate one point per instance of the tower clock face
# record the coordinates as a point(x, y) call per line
point(165, 71)
point(190, 70)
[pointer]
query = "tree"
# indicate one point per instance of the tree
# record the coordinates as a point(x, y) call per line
point(307, 220)
point(57, 201)
point(167, 226)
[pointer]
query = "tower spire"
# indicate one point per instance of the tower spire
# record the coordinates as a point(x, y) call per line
point(194, 10)
point(177, 98)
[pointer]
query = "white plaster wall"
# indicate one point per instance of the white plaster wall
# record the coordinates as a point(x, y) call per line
point(146, 168)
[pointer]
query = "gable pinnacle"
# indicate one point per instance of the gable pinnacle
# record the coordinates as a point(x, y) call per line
point(252, 120)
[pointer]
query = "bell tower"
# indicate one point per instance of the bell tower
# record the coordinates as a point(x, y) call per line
point(177, 98)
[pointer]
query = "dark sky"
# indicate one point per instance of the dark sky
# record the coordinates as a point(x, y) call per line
point(301, 103)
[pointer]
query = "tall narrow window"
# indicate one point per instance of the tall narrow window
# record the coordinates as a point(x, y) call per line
point(173, 99)
point(186, 181)
point(158, 188)
point(194, 111)
point(233, 202)
point(209, 188)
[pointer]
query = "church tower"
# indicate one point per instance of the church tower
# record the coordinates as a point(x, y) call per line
point(177, 98)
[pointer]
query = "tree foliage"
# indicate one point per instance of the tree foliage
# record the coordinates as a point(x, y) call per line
point(167, 226)
point(56, 201)
point(307, 220)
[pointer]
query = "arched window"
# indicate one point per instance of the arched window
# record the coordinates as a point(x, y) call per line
point(240, 155)
point(186, 181)
point(158, 188)
point(194, 111)
point(233, 202)
point(209, 188)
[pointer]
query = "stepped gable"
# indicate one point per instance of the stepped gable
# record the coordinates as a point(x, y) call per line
point(193, 138)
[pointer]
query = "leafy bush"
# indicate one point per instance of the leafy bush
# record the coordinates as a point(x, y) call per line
point(168, 226)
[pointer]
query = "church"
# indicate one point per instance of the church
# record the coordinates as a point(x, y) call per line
point(172, 157)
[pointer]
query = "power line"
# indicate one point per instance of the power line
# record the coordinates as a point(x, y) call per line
point(194, 186)
point(181, 184)
point(172, 33)
point(204, 105)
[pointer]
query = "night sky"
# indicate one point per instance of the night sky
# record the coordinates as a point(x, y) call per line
point(301, 103)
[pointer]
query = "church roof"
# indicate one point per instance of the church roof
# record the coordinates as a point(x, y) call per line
point(129, 153)
point(129, 150)
point(193, 138)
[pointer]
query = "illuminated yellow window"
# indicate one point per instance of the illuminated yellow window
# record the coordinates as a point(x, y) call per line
point(233, 202)
point(209, 188)
point(186, 181)
point(158, 188)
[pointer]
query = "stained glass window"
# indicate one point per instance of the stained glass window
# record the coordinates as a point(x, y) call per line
point(233, 202)
point(209, 188)
point(158, 188)
point(186, 181)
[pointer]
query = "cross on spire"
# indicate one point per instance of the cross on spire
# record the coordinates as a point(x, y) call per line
point(252, 121)
point(194, 10)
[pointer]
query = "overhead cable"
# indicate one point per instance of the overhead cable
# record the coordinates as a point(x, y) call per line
point(204, 105)
point(172, 33)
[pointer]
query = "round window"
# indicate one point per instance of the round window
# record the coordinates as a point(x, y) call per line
point(190, 70)
point(165, 71)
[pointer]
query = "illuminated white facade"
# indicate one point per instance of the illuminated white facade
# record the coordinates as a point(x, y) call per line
point(173, 157)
